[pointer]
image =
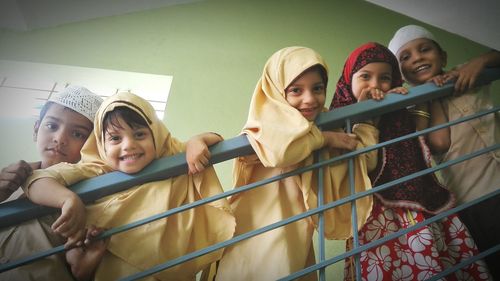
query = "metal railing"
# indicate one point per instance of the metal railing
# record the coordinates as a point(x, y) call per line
point(17, 211)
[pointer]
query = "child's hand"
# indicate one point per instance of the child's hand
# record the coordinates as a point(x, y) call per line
point(377, 94)
point(71, 222)
point(12, 177)
point(85, 260)
point(440, 80)
point(467, 74)
point(340, 140)
point(197, 155)
point(371, 93)
point(91, 233)
point(398, 90)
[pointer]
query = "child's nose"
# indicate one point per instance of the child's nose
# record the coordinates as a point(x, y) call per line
point(416, 57)
point(309, 97)
point(61, 137)
point(375, 83)
point(128, 143)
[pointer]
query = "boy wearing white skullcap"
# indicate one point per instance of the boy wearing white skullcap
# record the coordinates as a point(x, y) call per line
point(65, 122)
point(421, 60)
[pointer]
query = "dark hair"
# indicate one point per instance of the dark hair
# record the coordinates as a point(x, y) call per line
point(44, 110)
point(322, 72)
point(318, 68)
point(132, 118)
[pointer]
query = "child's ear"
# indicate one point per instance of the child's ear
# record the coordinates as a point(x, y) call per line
point(36, 126)
point(444, 58)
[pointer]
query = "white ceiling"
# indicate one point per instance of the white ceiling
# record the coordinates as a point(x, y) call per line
point(25, 15)
point(477, 20)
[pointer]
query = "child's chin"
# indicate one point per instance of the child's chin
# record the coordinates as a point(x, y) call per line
point(130, 170)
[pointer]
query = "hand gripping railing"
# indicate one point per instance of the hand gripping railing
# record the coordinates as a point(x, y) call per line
point(20, 210)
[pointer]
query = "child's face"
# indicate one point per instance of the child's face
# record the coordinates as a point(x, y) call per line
point(420, 60)
point(376, 75)
point(60, 135)
point(128, 149)
point(307, 94)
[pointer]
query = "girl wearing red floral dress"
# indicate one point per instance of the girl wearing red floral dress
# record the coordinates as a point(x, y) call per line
point(371, 71)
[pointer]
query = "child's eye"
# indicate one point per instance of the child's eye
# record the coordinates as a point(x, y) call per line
point(386, 78)
point(113, 138)
point(141, 134)
point(364, 76)
point(424, 49)
point(79, 135)
point(318, 88)
point(404, 57)
point(294, 90)
point(51, 126)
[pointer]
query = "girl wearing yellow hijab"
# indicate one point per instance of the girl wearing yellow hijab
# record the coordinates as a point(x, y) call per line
point(288, 97)
point(127, 137)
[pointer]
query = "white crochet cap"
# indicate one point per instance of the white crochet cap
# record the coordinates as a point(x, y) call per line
point(79, 99)
point(406, 34)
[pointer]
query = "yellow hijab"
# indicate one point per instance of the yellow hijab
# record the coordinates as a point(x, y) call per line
point(273, 125)
point(282, 137)
point(162, 240)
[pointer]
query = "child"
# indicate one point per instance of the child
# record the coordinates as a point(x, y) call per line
point(287, 99)
point(423, 253)
point(415, 46)
point(127, 137)
point(64, 124)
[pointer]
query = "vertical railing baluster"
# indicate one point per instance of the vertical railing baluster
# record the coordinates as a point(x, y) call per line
point(321, 219)
point(354, 216)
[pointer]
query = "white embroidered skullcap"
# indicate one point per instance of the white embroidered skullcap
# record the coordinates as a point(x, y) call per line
point(79, 99)
point(406, 34)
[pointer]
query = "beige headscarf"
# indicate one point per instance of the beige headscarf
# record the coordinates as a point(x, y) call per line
point(162, 240)
point(273, 126)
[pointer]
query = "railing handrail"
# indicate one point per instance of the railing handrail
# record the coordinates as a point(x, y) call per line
point(17, 211)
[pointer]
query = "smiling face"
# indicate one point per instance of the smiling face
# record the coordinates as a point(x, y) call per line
point(420, 60)
point(129, 146)
point(376, 75)
point(60, 135)
point(307, 93)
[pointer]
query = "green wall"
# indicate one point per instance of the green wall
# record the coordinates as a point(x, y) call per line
point(215, 50)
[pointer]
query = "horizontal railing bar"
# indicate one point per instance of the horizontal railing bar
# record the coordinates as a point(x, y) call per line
point(389, 237)
point(16, 211)
point(371, 108)
point(465, 263)
point(20, 210)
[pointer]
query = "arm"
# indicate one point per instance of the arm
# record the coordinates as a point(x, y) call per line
point(439, 141)
point(71, 222)
point(421, 114)
point(340, 140)
point(12, 177)
point(197, 153)
point(467, 73)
